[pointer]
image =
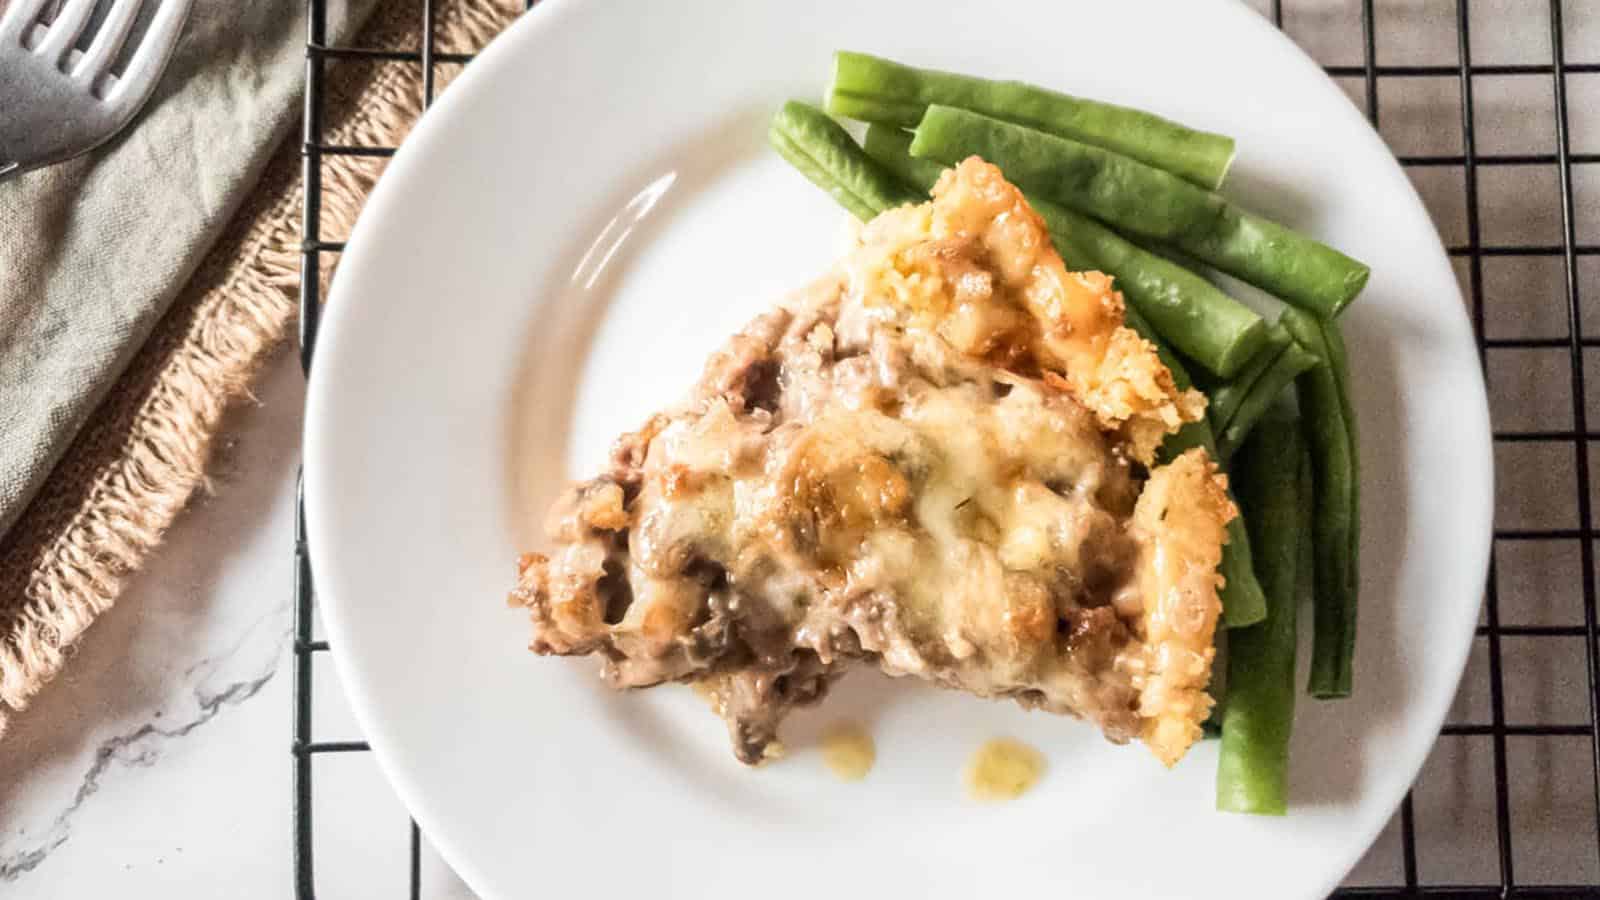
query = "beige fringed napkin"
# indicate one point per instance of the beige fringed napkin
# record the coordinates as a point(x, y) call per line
point(132, 468)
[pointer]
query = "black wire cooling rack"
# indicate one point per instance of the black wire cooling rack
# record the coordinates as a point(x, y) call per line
point(1369, 74)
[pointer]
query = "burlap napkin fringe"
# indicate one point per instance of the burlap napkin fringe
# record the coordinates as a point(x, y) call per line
point(135, 467)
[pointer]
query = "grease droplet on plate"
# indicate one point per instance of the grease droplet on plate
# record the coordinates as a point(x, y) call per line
point(848, 750)
point(1003, 769)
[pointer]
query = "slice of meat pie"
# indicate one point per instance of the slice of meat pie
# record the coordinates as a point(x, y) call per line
point(937, 460)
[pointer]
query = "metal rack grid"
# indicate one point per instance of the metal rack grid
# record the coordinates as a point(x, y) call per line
point(305, 748)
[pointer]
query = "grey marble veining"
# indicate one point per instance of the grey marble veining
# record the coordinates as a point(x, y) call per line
point(159, 763)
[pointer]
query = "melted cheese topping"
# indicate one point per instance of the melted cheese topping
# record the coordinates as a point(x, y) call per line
point(977, 514)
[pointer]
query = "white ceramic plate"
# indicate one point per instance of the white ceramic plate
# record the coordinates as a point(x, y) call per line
point(588, 212)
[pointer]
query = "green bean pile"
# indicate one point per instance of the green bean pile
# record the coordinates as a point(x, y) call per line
point(1133, 195)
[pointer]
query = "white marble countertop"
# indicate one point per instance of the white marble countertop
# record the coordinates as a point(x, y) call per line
point(159, 764)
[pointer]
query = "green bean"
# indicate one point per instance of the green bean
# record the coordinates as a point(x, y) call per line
point(1179, 258)
point(1331, 435)
point(1152, 204)
point(1293, 361)
point(1253, 761)
point(1226, 397)
point(825, 153)
point(1242, 600)
point(1339, 359)
point(877, 90)
point(1198, 319)
point(890, 147)
point(1307, 567)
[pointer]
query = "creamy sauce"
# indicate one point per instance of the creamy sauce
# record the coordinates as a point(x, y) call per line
point(1003, 769)
point(848, 750)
